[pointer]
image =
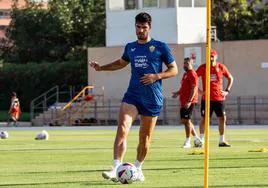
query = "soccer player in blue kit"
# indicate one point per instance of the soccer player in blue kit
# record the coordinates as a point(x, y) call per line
point(144, 94)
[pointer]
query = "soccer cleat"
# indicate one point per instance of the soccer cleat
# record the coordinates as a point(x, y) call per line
point(140, 176)
point(198, 143)
point(110, 175)
point(186, 145)
point(224, 144)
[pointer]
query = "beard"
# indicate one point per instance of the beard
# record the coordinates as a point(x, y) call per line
point(185, 69)
point(142, 36)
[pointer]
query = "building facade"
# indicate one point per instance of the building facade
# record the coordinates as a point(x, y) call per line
point(174, 21)
point(5, 11)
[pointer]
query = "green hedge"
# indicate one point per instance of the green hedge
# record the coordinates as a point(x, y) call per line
point(30, 80)
point(4, 116)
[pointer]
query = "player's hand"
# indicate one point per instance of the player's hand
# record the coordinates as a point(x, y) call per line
point(175, 95)
point(187, 105)
point(224, 93)
point(148, 79)
point(95, 65)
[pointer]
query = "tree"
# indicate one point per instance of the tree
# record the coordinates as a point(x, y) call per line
point(83, 21)
point(238, 19)
point(36, 34)
point(260, 20)
point(56, 32)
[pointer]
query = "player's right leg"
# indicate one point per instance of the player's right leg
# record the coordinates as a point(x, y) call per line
point(127, 115)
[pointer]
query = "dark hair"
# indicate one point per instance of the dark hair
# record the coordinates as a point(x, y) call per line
point(13, 94)
point(143, 17)
point(187, 59)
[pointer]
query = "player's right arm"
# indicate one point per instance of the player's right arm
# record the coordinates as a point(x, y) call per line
point(200, 71)
point(116, 65)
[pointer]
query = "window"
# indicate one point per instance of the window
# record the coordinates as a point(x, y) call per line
point(116, 5)
point(4, 14)
point(200, 3)
point(167, 3)
point(3, 27)
point(185, 3)
point(150, 3)
point(131, 4)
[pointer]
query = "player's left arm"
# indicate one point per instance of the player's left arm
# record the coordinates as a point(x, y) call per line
point(171, 71)
point(230, 81)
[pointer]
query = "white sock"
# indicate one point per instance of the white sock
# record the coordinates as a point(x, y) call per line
point(187, 140)
point(195, 137)
point(222, 139)
point(138, 164)
point(117, 163)
point(202, 137)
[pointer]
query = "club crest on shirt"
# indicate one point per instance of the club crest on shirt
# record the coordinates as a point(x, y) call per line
point(152, 48)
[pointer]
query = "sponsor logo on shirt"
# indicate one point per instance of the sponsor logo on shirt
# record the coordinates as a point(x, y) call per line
point(213, 78)
point(141, 62)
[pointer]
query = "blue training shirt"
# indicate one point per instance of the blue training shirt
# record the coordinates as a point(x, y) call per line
point(145, 59)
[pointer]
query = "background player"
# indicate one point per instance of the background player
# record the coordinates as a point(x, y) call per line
point(188, 93)
point(217, 94)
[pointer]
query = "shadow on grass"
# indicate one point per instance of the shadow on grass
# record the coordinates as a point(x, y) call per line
point(107, 183)
point(200, 158)
point(54, 149)
point(58, 183)
point(201, 167)
point(174, 170)
point(69, 171)
point(211, 186)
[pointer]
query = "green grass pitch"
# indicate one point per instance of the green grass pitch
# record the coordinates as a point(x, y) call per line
point(76, 158)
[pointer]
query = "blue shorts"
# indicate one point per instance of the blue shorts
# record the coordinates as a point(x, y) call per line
point(143, 109)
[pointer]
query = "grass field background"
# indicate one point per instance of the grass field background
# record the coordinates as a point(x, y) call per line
point(76, 158)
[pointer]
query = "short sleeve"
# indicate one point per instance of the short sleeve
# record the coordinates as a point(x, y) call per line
point(167, 56)
point(199, 71)
point(125, 55)
point(225, 71)
point(193, 79)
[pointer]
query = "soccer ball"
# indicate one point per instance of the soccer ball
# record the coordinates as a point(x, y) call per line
point(42, 135)
point(4, 135)
point(127, 173)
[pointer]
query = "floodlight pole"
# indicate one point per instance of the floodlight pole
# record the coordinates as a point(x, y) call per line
point(207, 94)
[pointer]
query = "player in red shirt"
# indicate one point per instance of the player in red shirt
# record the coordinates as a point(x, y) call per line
point(217, 94)
point(14, 110)
point(188, 93)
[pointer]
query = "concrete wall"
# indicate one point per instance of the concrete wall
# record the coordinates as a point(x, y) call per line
point(243, 59)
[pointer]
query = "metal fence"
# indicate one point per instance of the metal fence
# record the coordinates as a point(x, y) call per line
point(239, 110)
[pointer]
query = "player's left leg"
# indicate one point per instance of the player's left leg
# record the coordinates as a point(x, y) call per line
point(221, 114)
point(127, 115)
point(145, 135)
point(188, 130)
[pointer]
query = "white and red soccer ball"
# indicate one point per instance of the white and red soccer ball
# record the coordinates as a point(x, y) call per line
point(127, 173)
